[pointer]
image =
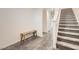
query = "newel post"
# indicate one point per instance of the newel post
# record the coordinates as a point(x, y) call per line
point(55, 25)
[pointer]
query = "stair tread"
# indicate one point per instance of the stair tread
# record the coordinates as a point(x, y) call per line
point(68, 38)
point(68, 45)
point(67, 18)
point(69, 24)
point(68, 28)
point(68, 21)
point(72, 33)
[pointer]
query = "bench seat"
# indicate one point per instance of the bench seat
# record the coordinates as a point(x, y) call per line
point(25, 35)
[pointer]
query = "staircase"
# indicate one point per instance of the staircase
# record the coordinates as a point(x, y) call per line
point(68, 32)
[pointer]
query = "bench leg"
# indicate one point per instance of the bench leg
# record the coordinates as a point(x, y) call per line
point(21, 41)
point(35, 35)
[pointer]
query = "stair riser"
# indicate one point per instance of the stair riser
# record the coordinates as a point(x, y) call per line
point(68, 35)
point(63, 47)
point(66, 30)
point(68, 20)
point(71, 16)
point(68, 26)
point(68, 41)
point(67, 23)
point(67, 17)
point(67, 12)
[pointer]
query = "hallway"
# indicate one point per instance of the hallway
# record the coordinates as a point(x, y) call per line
point(54, 21)
point(32, 44)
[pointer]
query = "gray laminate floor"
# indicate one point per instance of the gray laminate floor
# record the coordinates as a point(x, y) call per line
point(38, 43)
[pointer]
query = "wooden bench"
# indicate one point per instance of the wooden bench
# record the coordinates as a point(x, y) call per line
point(25, 35)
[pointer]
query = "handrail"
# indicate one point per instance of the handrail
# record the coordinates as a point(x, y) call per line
point(76, 14)
point(55, 27)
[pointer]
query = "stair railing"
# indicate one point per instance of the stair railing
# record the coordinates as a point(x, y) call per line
point(55, 21)
point(76, 14)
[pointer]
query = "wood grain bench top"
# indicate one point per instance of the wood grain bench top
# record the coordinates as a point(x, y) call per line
point(29, 32)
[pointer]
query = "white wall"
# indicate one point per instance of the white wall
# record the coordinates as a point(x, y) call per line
point(37, 16)
point(15, 21)
point(45, 20)
point(76, 12)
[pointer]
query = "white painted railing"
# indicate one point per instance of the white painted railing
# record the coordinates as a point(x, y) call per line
point(76, 13)
point(55, 24)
